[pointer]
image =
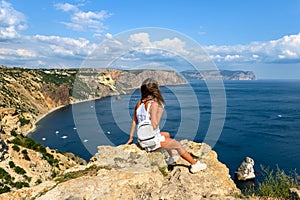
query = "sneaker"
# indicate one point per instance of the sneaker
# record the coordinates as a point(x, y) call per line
point(172, 160)
point(198, 167)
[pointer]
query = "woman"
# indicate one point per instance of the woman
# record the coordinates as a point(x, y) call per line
point(152, 104)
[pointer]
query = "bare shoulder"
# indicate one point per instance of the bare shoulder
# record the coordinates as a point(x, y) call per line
point(154, 104)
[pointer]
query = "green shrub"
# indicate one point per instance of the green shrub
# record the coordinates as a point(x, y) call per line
point(4, 189)
point(17, 141)
point(54, 174)
point(27, 178)
point(16, 148)
point(275, 184)
point(50, 158)
point(38, 181)
point(23, 121)
point(29, 142)
point(24, 151)
point(20, 184)
point(5, 175)
point(25, 154)
point(11, 164)
point(19, 170)
point(26, 157)
point(14, 133)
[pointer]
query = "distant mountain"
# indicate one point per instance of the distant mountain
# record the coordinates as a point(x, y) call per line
point(219, 75)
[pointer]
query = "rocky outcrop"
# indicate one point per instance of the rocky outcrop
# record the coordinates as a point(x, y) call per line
point(107, 82)
point(219, 75)
point(31, 93)
point(246, 170)
point(127, 172)
point(294, 194)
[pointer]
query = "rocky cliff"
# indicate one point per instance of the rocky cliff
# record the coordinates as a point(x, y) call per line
point(27, 94)
point(30, 171)
point(219, 75)
point(127, 172)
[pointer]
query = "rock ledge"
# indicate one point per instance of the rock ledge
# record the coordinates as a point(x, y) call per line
point(127, 172)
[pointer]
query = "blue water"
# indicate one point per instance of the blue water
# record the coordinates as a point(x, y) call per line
point(262, 121)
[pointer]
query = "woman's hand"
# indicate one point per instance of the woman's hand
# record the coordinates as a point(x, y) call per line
point(131, 134)
point(129, 141)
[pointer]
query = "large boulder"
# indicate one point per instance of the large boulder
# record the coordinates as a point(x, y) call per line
point(127, 172)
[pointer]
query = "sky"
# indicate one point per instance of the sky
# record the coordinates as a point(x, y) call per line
point(260, 36)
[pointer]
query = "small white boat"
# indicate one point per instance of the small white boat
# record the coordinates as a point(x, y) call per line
point(85, 140)
point(108, 132)
point(43, 138)
point(279, 116)
point(74, 128)
point(56, 132)
point(64, 137)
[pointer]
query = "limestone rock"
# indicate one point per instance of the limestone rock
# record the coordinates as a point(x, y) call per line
point(127, 172)
point(246, 170)
point(294, 194)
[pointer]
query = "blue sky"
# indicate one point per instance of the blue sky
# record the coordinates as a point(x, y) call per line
point(262, 36)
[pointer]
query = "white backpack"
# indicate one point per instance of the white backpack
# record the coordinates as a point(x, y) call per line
point(145, 132)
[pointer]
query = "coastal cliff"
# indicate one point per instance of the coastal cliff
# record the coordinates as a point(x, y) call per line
point(29, 170)
point(219, 75)
point(127, 172)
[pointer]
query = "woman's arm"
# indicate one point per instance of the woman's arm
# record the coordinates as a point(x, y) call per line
point(133, 125)
point(155, 113)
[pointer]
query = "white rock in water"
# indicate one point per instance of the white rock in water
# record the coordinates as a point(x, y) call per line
point(246, 170)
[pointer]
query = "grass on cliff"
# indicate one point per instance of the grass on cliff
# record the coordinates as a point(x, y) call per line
point(7, 182)
point(31, 144)
point(90, 171)
point(274, 184)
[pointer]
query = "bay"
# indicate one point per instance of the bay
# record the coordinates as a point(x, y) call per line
point(262, 121)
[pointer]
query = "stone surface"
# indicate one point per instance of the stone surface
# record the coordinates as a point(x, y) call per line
point(130, 173)
point(246, 170)
point(294, 194)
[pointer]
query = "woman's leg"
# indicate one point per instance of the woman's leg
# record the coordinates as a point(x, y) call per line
point(170, 144)
point(167, 135)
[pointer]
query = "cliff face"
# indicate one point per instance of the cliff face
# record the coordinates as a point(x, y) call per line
point(219, 75)
point(33, 93)
point(106, 82)
point(27, 94)
point(127, 172)
point(114, 172)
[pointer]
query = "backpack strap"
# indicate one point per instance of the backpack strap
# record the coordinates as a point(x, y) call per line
point(148, 110)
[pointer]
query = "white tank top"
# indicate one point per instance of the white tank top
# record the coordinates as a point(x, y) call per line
point(143, 114)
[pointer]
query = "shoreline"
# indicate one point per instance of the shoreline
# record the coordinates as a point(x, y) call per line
point(40, 117)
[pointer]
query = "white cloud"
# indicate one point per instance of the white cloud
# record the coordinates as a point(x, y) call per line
point(84, 21)
point(108, 36)
point(66, 7)
point(142, 40)
point(285, 49)
point(231, 57)
point(23, 53)
point(11, 21)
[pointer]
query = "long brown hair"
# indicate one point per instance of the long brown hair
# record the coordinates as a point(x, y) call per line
point(150, 89)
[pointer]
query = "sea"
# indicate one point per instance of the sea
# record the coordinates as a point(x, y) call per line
point(259, 119)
